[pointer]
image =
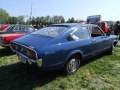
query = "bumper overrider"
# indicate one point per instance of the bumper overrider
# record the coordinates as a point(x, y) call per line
point(26, 59)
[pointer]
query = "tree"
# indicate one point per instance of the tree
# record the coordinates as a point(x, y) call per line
point(71, 20)
point(3, 16)
point(58, 19)
point(33, 21)
point(13, 20)
point(68, 21)
point(42, 20)
point(48, 19)
point(62, 20)
point(21, 19)
point(37, 21)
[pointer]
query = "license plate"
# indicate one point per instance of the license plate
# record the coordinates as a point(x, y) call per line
point(22, 59)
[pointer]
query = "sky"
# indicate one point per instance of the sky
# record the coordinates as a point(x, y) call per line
point(79, 9)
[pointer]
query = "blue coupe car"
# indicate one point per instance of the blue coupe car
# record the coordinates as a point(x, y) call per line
point(63, 46)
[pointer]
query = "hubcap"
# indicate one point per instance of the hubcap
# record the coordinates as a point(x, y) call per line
point(72, 66)
point(113, 48)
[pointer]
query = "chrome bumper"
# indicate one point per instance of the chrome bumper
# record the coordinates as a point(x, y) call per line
point(25, 59)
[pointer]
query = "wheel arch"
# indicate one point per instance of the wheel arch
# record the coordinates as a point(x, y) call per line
point(75, 52)
point(115, 43)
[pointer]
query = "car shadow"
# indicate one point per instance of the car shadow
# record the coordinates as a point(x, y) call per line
point(5, 52)
point(92, 59)
point(19, 77)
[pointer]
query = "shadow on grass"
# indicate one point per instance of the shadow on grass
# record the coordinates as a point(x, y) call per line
point(5, 52)
point(19, 77)
point(92, 59)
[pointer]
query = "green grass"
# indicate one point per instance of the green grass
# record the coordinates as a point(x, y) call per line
point(98, 74)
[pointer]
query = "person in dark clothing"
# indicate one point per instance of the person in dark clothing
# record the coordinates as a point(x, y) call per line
point(88, 22)
point(116, 28)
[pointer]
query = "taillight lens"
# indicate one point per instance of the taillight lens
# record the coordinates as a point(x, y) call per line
point(4, 40)
point(31, 54)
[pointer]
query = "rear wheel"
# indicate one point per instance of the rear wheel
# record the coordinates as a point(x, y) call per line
point(72, 65)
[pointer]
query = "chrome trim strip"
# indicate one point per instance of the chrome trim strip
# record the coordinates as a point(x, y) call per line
point(25, 47)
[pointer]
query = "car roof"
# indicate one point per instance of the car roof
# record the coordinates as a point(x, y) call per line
point(73, 24)
point(20, 25)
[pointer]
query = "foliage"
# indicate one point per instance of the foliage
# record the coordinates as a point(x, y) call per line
point(21, 19)
point(13, 20)
point(40, 21)
point(71, 20)
point(3, 16)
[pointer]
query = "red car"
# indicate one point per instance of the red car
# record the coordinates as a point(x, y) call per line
point(13, 32)
point(4, 27)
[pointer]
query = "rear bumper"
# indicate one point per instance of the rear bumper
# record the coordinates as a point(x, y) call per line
point(29, 60)
point(26, 59)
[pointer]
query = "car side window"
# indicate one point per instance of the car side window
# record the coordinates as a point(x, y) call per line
point(95, 32)
point(16, 29)
point(22, 28)
point(80, 33)
point(10, 28)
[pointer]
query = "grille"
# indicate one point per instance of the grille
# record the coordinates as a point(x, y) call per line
point(24, 50)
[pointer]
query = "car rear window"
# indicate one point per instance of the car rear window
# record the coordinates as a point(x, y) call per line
point(51, 31)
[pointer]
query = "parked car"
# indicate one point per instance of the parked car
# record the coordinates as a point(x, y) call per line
point(63, 46)
point(4, 27)
point(13, 32)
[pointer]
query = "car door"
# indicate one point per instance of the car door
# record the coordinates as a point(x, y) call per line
point(82, 39)
point(99, 39)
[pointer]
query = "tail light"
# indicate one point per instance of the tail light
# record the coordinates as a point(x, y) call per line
point(4, 40)
point(31, 54)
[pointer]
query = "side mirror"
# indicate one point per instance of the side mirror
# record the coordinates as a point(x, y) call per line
point(30, 30)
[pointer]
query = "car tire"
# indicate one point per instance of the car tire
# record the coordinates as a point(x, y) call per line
point(111, 51)
point(72, 65)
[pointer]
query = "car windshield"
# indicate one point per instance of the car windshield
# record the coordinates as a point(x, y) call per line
point(51, 31)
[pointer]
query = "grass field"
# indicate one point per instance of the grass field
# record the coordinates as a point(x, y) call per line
point(102, 73)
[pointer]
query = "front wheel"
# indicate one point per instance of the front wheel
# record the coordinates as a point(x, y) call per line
point(72, 65)
point(111, 51)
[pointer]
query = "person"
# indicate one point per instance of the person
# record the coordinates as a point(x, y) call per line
point(116, 28)
point(111, 28)
point(105, 27)
point(88, 22)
